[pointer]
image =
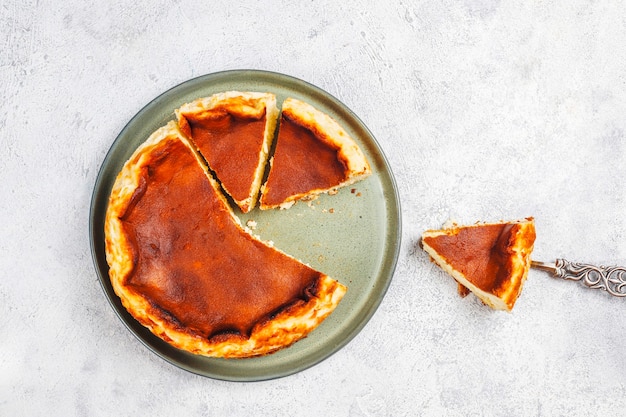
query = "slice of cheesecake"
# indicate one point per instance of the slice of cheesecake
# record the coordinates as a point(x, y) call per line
point(233, 132)
point(314, 155)
point(490, 259)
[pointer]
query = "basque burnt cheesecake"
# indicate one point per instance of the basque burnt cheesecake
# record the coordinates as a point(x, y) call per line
point(184, 267)
point(313, 155)
point(492, 260)
point(233, 131)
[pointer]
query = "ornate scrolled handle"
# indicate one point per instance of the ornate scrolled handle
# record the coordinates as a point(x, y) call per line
point(609, 278)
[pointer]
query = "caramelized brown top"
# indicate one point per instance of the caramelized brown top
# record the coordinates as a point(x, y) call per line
point(302, 162)
point(481, 254)
point(197, 268)
point(231, 145)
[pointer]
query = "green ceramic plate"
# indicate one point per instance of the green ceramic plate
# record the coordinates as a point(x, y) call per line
point(353, 236)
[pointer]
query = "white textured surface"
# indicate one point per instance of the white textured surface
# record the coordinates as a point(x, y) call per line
point(485, 109)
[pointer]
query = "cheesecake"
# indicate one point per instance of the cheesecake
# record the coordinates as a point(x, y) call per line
point(491, 260)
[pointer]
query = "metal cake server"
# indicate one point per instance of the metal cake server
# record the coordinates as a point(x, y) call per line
point(609, 278)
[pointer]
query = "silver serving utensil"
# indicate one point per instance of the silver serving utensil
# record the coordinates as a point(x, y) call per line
point(609, 278)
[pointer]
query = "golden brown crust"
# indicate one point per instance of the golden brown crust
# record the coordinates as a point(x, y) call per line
point(502, 260)
point(327, 130)
point(118, 248)
point(244, 105)
point(278, 331)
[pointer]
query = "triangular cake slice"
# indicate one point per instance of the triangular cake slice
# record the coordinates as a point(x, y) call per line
point(233, 132)
point(184, 267)
point(313, 155)
point(490, 259)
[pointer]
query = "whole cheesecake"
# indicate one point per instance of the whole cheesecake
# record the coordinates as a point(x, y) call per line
point(185, 268)
point(491, 260)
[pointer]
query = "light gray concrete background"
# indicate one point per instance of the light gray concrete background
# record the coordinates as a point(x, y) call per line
point(487, 110)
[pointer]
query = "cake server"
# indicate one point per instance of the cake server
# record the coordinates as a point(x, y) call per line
point(609, 278)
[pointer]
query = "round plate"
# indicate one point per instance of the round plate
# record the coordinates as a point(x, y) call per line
point(353, 236)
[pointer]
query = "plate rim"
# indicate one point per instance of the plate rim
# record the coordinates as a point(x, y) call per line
point(394, 237)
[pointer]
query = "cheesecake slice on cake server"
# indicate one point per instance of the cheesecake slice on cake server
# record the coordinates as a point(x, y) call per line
point(492, 261)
